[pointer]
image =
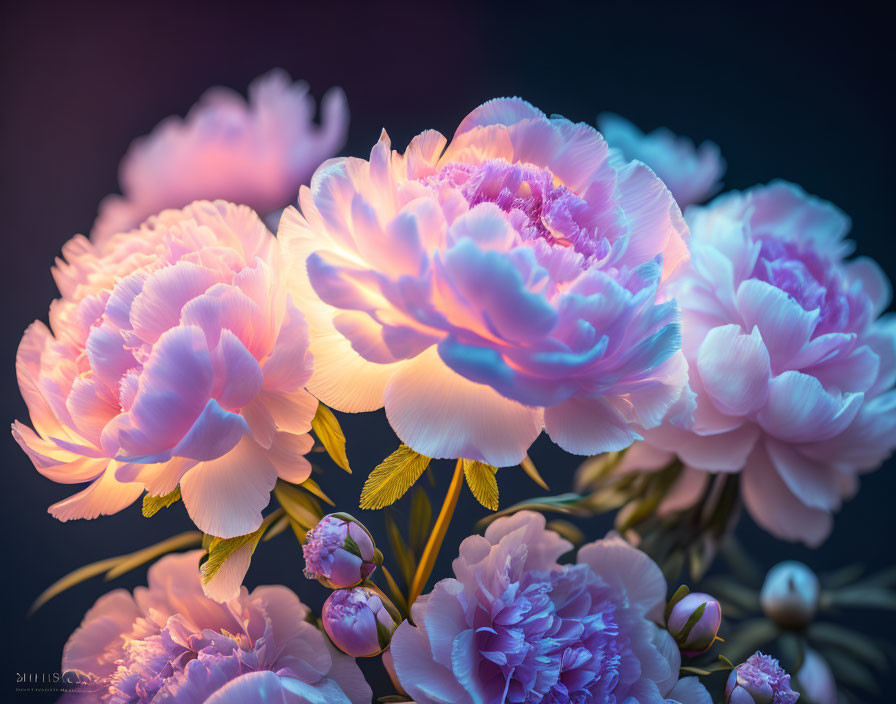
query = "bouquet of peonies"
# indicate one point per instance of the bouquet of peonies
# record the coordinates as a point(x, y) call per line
point(528, 275)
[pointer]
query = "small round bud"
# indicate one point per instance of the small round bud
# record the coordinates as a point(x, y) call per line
point(360, 621)
point(339, 552)
point(695, 637)
point(760, 680)
point(789, 596)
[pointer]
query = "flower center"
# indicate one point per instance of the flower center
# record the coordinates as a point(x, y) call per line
point(808, 279)
point(538, 207)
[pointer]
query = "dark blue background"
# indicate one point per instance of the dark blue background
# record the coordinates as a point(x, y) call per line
point(796, 91)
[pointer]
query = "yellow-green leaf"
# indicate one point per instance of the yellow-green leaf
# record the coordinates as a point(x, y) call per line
point(313, 487)
point(219, 549)
point(303, 509)
point(421, 520)
point(482, 482)
point(529, 468)
point(115, 566)
point(329, 432)
point(567, 530)
point(134, 560)
point(400, 550)
point(153, 504)
point(389, 480)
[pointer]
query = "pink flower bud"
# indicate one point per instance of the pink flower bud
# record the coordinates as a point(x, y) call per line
point(339, 552)
point(789, 595)
point(701, 635)
point(359, 621)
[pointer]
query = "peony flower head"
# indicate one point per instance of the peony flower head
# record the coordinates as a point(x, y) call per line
point(513, 625)
point(816, 680)
point(359, 621)
point(339, 552)
point(700, 637)
point(760, 680)
point(488, 288)
point(257, 153)
point(790, 594)
point(169, 642)
point(175, 356)
point(692, 173)
point(792, 368)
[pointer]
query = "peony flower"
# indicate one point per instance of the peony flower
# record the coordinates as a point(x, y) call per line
point(257, 153)
point(692, 173)
point(339, 552)
point(700, 637)
point(792, 368)
point(760, 680)
point(359, 621)
point(790, 594)
point(169, 642)
point(176, 357)
point(482, 292)
point(513, 625)
point(816, 680)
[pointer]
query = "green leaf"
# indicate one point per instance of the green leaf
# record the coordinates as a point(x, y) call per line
point(679, 594)
point(135, 559)
point(303, 510)
point(749, 636)
point(846, 639)
point(389, 480)
point(400, 550)
point(153, 504)
point(115, 566)
point(529, 468)
point(482, 482)
point(421, 520)
point(220, 549)
point(566, 530)
point(313, 487)
point(562, 503)
point(329, 432)
point(400, 601)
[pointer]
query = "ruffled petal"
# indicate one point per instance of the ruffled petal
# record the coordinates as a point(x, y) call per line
point(734, 369)
point(442, 415)
point(588, 426)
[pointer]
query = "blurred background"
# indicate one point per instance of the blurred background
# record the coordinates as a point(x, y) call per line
point(791, 90)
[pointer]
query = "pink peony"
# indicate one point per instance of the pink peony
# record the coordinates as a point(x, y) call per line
point(170, 643)
point(692, 173)
point(515, 626)
point(176, 357)
point(257, 153)
point(792, 368)
point(483, 291)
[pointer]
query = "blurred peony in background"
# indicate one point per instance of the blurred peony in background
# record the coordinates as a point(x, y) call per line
point(784, 92)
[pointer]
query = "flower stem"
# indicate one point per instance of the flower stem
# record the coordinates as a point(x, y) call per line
point(431, 551)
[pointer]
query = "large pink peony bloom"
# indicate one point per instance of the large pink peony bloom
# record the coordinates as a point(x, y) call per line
point(483, 291)
point(170, 643)
point(257, 153)
point(176, 356)
point(792, 368)
point(515, 626)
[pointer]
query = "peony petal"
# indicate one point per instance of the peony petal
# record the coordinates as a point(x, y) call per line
point(628, 569)
point(215, 433)
point(813, 483)
point(442, 415)
point(287, 455)
point(774, 507)
point(157, 308)
point(588, 426)
point(238, 378)
point(689, 690)
point(103, 497)
point(105, 626)
point(289, 366)
point(784, 325)
point(419, 674)
point(734, 369)
point(225, 497)
point(799, 409)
